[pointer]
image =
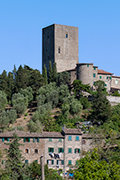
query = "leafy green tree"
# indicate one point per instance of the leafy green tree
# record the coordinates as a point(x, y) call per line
point(63, 93)
point(21, 80)
point(3, 100)
point(92, 167)
point(78, 88)
point(101, 109)
point(14, 167)
point(50, 72)
point(54, 72)
point(35, 126)
point(65, 110)
point(4, 119)
point(63, 78)
point(45, 75)
point(85, 103)
point(10, 84)
point(20, 103)
point(28, 92)
point(11, 115)
point(3, 82)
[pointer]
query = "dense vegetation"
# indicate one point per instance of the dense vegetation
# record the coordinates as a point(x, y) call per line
point(60, 103)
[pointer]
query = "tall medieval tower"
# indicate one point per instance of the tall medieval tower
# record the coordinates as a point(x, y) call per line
point(60, 46)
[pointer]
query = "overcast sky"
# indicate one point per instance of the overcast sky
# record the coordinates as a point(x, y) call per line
point(21, 23)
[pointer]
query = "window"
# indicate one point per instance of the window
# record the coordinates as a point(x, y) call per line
point(26, 139)
point(60, 140)
point(69, 162)
point(3, 139)
point(93, 83)
point(66, 35)
point(87, 65)
point(50, 149)
point(50, 139)
point(94, 68)
point(77, 150)
point(116, 81)
point(60, 150)
point(94, 75)
point(105, 84)
point(26, 161)
point(77, 138)
point(50, 162)
point(26, 151)
point(36, 151)
point(59, 49)
point(83, 141)
point(60, 162)
point(69, 150)
point(69, 138)
point(35, 139)
point(100, 77)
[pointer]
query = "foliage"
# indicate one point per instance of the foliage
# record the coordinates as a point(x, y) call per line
point(78, 88)
point(63, 93)
point(28, 92)
point(63, 78)
point(100, 105)
point(48, 94)
point(45, 75)
point(3, 100)
point(116, 93)
point(85, 103)
point(20, 103)
point(14, 167)
point(35, 126)
point(91, 167)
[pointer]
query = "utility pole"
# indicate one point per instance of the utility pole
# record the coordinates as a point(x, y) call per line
point(42, 167)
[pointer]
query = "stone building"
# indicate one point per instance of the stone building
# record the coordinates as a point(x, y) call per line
point(60, 46)
point(60, 150)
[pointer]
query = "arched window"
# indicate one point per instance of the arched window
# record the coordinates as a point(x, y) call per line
point(77, 150)
point(36, 151)
point(83, 141)
point(26, 151)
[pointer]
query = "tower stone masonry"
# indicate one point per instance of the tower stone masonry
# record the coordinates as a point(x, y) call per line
point(60, 46)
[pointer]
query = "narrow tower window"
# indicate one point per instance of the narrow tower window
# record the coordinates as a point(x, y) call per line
point(66, 35)
point(59, 49)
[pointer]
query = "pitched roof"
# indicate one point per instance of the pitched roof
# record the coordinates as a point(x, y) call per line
point(28, 134)
point(72, 131)
point(100, 71)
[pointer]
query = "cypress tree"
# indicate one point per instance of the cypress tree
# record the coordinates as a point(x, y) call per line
point(45, 75)
point(54, 72)
point(50, 72)
point(14, 166)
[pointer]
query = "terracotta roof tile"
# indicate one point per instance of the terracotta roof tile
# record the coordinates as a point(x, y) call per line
point(100, 71)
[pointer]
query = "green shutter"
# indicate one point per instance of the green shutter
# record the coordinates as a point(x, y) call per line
point(33, 139)
point(52, 161)
point(37, 139)
point(78, 150)
point(24, 139)
point(48, 149)
point(2, 139)
point(75, 150)
point(47, 161)
point(58, 150)
point(7, 139)
point(62, 162)
point(62, 150)
point(76, 162)
point(2, 162)
point(87, 65)
point(28, 139)
point(26, 161)
point(69, 150)
point(57, 162)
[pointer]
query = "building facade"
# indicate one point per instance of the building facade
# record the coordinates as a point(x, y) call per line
point(60, 46)
point(59, 150)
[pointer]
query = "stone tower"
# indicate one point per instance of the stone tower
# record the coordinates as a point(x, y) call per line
point(60, 46)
